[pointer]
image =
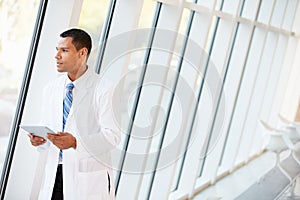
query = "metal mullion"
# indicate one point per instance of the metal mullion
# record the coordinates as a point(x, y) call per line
point(22, 96)
point(139, 89)
point(105, 34)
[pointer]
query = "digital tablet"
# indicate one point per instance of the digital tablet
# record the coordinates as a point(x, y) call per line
point(37, 130)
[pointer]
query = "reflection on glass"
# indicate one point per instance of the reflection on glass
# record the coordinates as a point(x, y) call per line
point(15, 36)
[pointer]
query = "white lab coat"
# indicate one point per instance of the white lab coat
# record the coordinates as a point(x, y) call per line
point(87, 170)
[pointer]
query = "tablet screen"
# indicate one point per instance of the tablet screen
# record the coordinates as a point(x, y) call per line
point(37, 130)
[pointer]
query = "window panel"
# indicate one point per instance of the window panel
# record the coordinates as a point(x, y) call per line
point(296, 19)
point(290, 54)
point(92, 18)
point(203, 124)
point(278, 14)
point(266, 11)
point(286, 55)
point(168, 45)
point(232, 89)
point(147, 12)
point(223, 37)
point(291, 98)
point(43, 65)
point(242, 109)
point(251, 9)
point(223, 43)
point(231, 6)
point(290, 14)
point(266, 112)
point(172, 133)
point(200, 31)
point(183, 22)
point(13, 42)
point(137, 136)
point(259, 95)
point(187, 168)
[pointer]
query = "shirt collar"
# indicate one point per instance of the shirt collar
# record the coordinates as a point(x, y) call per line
point(80, 81)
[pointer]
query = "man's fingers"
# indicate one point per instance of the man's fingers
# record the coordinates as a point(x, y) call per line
point(62, 140)
point(36, 141)
point(55, 139)
point(36, 138)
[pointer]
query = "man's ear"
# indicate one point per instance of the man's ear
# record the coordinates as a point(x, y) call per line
point(83, 51)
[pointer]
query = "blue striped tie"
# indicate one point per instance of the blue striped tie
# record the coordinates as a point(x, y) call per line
point(67, 106)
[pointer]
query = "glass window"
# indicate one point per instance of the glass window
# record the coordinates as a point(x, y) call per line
point(15, 37)
point(250, 9)
point(147, 12)
point(230, 6)
point(279, 86)
point(240, 119)
point(290, 14)
point(164, 153)
point(278, 14)
point(256, 111)
point(266, 11)
point(232, 88)
point(92, 19)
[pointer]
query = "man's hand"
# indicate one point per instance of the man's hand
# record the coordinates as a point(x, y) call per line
point(36, 140)
point(62, 140)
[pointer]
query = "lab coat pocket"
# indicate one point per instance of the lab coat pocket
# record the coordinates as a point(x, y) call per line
point(92, 185)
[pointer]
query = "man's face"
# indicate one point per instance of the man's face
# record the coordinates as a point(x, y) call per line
point(67, 57)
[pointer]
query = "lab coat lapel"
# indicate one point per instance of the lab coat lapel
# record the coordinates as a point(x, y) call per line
point(76, 101)
point(58, 102)
point(82, 91)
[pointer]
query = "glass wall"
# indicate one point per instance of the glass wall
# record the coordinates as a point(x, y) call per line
point(15, 41)
point(195, 78)
point(92, 19)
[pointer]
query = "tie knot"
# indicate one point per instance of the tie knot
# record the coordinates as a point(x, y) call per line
point(70, 86)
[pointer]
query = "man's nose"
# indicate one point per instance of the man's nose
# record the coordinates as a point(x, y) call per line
point(57, 55)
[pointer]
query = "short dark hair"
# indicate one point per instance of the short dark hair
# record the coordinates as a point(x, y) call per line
point(80, 38)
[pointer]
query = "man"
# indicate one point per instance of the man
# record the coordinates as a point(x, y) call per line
point(78, 106)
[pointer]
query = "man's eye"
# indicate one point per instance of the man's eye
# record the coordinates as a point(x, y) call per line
point(64, 50)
